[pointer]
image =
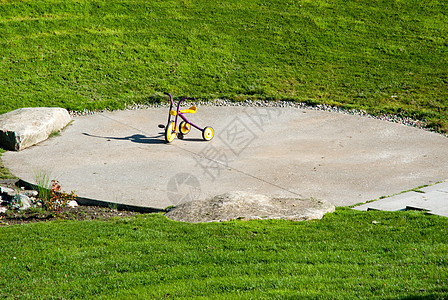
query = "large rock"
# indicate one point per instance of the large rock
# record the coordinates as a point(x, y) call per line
point(14, 198)
point(247, 206)
point(25, 127)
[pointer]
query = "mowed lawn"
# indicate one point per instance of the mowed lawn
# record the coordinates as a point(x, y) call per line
point(346, 255)
point(382, 56)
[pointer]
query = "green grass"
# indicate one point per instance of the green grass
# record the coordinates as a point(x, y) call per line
point(386, 56)
point(346, 255)
point(4, 172)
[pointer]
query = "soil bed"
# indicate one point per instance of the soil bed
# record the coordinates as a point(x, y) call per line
point(79, 213)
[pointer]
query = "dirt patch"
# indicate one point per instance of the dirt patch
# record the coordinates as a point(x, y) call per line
point(247, 206)
point(39, 214)
point(79, 213)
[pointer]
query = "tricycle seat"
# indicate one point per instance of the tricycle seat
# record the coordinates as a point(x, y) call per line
point(191, 110)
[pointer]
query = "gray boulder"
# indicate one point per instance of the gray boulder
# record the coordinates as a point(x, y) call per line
point(247, 206)
point(25, 127)
point(23, 201)
point(15, 199)
point(8, 191)
point(72, 204)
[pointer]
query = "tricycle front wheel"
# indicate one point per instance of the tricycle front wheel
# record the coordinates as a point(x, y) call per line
point(170, 132)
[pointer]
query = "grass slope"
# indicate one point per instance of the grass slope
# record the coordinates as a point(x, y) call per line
point(347, 255)
point(383, 56)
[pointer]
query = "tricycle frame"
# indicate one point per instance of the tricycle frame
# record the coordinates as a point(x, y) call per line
point(185, 126)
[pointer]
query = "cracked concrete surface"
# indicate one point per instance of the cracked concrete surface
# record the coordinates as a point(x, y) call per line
point(282, 152)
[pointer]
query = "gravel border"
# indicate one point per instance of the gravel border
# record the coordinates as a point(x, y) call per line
point(265, 103)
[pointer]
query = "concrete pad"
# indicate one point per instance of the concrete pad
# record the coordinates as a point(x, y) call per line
point(25, 127)
point(441, 187)
point(433, 199)
point(283, 152)
point(398, 202)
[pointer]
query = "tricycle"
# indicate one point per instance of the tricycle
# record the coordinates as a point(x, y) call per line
point(171, 128)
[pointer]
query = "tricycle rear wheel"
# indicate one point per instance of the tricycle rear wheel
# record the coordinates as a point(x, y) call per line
point(208, 133)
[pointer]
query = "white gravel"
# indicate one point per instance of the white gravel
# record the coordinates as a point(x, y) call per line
point(264, 103)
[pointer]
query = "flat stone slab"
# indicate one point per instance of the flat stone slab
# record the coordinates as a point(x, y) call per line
point(433, 199)
point(248, 206)
point(25, 127)
point(280, 152)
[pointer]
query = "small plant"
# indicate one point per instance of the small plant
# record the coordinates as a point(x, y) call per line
point(54, 133)
point(37, 210)
point(57, 199)
point(43, 183)
point(113, 206)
